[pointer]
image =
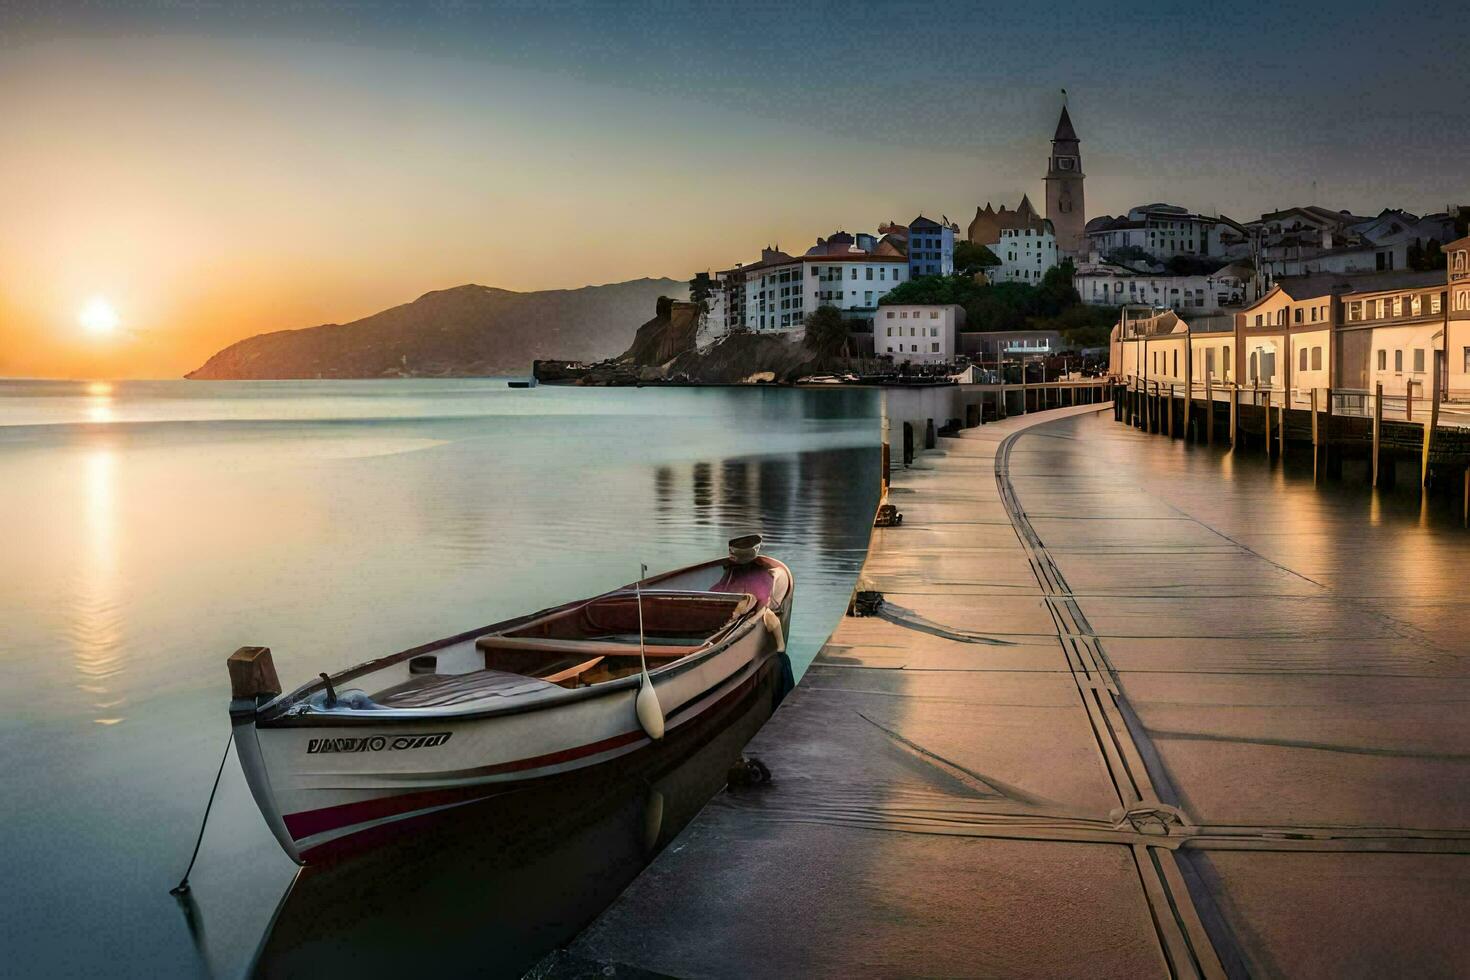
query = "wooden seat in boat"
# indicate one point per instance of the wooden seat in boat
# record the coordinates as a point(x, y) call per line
point(442, 690)
point(572, 675)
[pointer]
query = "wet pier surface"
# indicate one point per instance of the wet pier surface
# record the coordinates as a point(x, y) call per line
point(1132, 708)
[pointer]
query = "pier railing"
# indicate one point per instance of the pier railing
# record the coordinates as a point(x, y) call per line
point(1336, 423)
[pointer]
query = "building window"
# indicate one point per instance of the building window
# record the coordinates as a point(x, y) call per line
point(1175, 371)
point(890, 314)
point(890, 329)
point(934, 314)
point(1297, 315)
point(934, 348)
point(1383, 360)
point(1434, 303)
point(1225, 363)
point(1302, 360)
point(1258, 320)
point(870, 273)
point(1417, 305)
point(1398, 361)
point(1355, 311)
point(1316, 358)
point(1418, 360)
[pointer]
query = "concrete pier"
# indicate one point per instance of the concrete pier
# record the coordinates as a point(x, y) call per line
point(1108, 722)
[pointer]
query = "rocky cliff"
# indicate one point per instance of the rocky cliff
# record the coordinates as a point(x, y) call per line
point(464, 331)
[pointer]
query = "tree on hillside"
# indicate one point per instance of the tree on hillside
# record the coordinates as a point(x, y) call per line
point(932, 289)
point(970, 258)
point(826, 330)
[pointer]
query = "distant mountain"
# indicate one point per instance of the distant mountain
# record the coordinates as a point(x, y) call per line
point(464, 331)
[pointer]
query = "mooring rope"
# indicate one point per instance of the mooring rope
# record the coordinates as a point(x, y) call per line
point(182, 888)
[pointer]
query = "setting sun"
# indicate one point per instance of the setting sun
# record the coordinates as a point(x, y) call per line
point(99, 318)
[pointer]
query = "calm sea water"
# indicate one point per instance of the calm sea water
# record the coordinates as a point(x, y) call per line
point(150, 528)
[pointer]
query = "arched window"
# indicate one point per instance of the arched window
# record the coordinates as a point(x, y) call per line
point(1302, 360)
point(1316, 358)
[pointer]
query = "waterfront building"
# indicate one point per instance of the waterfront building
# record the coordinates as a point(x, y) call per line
point(1404, 324)
point(1160, 230)
point(918, 333)
point(850, 272)
point(1111, 284)
point(930, 247)
point(1344, 332)
point(1065, 208)
point(1457, 319)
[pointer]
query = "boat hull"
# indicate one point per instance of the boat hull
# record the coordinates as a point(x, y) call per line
point(327, 780)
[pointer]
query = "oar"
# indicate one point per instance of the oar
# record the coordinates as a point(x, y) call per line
point(650, 714)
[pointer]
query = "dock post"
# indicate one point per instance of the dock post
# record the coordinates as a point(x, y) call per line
point(1171, 411)
point(1465, 510)
point(1266, 414)
point(1316, 437)
point(1432, 422)
point(886, 460)
point(1331, 462)
point(1188, 403)
point(1378, 428)
point(1234, 413)
point(929, 439)
point(1409, 400)
point(1209, 410)
point(1281, 426)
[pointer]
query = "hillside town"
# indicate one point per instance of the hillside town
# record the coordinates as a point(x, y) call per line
point(1018, 286)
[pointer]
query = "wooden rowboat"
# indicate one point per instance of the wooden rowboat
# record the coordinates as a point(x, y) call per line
point(546, 695)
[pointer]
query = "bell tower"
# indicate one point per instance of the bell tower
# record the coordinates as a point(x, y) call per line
point(1064, 206)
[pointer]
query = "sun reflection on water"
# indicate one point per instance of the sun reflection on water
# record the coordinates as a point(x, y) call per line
point(95, 630)
point(99, 401)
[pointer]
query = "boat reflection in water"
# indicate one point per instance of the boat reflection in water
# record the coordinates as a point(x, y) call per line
point(489, 888)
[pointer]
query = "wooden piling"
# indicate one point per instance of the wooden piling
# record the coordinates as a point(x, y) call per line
point(1281, 426)
point(1171, 410)
point(1432, 422)
point(1210, 411)
point(1267, 416)
point(1234, 413)
point(1316, 439)
point(1377, 428)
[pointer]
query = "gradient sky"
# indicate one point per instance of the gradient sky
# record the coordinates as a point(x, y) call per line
point(215, 171)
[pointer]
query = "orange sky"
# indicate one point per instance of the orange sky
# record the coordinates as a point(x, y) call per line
point(210, 188)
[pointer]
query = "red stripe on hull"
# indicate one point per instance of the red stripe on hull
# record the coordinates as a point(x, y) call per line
point(310, 822)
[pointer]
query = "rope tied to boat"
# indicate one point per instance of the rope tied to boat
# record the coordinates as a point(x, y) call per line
point(182, 888)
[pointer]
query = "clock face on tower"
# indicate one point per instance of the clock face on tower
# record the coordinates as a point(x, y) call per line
point(1064, 163)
